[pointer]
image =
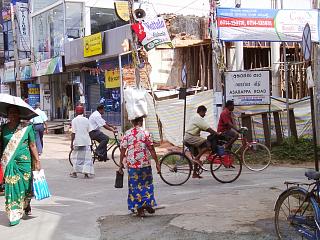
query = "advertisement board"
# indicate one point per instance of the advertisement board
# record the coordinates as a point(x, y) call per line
point(47, 67)
point(112, 79)
point(92, 45)
point(122, 11)
point(33, 94)
point(152, 33)
point(247, 87)
point(241, 24)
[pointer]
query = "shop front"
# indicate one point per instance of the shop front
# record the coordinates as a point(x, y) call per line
point(64, 95)
point(97, 59)
point(52, 82)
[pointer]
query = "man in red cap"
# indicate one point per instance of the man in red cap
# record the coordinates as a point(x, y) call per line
point(81, 145)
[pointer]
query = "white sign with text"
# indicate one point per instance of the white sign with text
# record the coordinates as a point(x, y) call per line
point(248, 87)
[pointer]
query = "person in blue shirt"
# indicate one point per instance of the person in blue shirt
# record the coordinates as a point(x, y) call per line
point(40, 126)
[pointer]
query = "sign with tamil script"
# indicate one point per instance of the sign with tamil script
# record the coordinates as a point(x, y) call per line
point(92, 45)
point(247, 87)
point(22, 13)
point(152, 33)
point(112, 79)
point(277, 25)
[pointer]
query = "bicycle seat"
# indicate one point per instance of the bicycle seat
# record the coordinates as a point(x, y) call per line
point(312, 174)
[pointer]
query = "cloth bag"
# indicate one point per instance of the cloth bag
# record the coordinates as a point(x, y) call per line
point(40, 185)
point(136, 102)
point(119, 180)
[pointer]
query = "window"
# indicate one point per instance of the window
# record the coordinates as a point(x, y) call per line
point(104, 19)
point(41, 4)
point(48, 33)
point(74, 20)
point(8, 41)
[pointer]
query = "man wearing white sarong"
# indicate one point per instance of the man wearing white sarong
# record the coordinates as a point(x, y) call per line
point(81, 145)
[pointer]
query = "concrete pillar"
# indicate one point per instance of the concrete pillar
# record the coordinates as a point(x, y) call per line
point(275, 59)
point(239, 56)
point(231, 58)
point(87, 22)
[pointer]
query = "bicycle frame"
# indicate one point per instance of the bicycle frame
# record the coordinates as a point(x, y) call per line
point(299, 222)
point(244, 143)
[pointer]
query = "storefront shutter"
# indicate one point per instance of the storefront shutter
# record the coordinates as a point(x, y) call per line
point(94, 96)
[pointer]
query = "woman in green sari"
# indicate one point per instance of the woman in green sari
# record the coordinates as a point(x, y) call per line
point(19, 158)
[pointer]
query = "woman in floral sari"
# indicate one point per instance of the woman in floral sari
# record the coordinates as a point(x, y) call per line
point(136, 145)
point(19, 153)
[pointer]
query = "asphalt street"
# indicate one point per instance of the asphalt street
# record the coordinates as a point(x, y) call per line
point(200, 209)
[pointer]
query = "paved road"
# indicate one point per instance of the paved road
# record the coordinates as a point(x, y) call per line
point(94, 209)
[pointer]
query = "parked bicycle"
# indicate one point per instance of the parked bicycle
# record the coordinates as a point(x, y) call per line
point(255, 156)
point(176, 167)
point(115, 155)
point(297, 212)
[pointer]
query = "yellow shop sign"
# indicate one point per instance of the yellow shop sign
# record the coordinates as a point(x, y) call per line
point(112, 79)
point(92, 45)
point(122, 11)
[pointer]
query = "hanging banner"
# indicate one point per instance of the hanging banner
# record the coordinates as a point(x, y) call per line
point(22, 13)
point(92, 45)
point(33, 94)
point(47, 67)
point(152, 33)
point(247, 87)
point(112, 79)
point(241, 24)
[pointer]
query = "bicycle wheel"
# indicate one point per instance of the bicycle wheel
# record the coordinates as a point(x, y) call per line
point(116, 155)
point(256, 157)
point(70, 161)
point(295, 211)
point(175, 168)
point(226, 168)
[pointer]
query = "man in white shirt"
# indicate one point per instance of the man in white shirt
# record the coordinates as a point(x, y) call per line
point(193, 138)
point(96, 122)
point(81, 145)
point(40, 126)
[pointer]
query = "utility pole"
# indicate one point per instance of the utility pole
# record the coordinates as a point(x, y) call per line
point(17, 74)
point(215, 48)
point(135, 54)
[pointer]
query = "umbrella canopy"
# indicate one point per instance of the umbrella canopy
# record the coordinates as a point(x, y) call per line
point(26, 111)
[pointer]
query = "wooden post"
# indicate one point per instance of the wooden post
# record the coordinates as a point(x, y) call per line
point(266, 129)
point(246, 122)
point(277, 124)
point(292, 123)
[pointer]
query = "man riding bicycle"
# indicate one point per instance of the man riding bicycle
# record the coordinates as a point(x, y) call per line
point(227, 125)
point(193, 138)
point(96, 122)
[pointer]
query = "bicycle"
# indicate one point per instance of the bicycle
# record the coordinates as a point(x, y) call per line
point(297, 211)
point(115, 156)
point(176, 166)
point(255, 156)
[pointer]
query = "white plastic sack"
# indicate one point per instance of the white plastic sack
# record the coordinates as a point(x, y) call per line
point(136, 102)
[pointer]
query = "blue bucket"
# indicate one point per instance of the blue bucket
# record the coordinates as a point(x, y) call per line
point(220, 150)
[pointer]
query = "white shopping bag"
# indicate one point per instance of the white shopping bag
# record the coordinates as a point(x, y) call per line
point(136, 102)
point(40, 185)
